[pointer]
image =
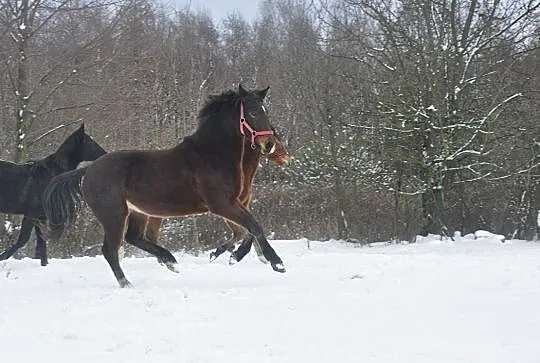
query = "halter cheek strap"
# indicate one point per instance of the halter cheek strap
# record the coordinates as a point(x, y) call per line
point(245, 126)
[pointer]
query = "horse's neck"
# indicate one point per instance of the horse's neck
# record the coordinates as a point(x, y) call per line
point(56, 163)
point(242, 154)
point(250, 161)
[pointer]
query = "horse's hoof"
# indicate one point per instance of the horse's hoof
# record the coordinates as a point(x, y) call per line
point(173, 267)
point(233, 260)
point(278, 267)
point(124, 283)
point(44, 263)
point(213, 256)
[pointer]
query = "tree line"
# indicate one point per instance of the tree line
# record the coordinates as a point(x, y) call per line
point(403, 117)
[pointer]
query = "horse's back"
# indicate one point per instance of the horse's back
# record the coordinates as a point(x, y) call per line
point(137, 166)
point(153, 182)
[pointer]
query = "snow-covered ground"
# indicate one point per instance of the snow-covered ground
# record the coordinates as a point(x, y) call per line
point(472, 300)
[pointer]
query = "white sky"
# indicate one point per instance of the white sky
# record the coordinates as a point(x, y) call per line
point(221, 8)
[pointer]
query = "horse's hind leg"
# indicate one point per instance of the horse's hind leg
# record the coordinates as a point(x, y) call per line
point(143, 232)
point(24, 235)
point(110, 252)
point(111, 245)
point(113, 219)
point(41, 247)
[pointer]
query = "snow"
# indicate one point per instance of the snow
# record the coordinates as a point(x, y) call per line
point(487, 234)
point(8, 226)
point(471, 300)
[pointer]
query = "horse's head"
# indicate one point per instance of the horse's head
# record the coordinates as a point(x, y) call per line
point(254, 123)
point(78, 147)
point(241, 114)
point(88, 149)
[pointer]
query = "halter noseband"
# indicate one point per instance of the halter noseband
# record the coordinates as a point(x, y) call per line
point(244, 125)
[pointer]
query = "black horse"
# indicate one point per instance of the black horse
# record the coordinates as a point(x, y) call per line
point(127, 190)
point(22, 186)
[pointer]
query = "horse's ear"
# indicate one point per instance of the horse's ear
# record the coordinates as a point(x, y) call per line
point(241, 91)
point(262, 93)
point(81, 129)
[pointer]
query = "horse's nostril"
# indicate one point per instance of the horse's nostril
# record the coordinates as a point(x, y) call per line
point(269, 147)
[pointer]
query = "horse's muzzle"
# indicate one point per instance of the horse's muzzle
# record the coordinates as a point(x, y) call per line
point(279, 155)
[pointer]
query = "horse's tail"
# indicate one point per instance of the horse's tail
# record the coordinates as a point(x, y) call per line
point(62, 200)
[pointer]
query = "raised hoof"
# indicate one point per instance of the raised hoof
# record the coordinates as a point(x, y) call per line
point(124, 283)
point(278, 267)
point(173, 267)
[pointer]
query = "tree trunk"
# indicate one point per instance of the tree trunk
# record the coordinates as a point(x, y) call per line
point(397, 201)
point(22, 87)
point(433, 206)
point(338, 186)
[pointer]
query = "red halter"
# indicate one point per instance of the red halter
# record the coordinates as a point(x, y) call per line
point(244, 125)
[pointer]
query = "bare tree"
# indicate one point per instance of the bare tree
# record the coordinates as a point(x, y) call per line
point(53, 43)
point(436, 66)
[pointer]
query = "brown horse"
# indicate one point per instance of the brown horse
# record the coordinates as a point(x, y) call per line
point(144, 227)
point(133, 191)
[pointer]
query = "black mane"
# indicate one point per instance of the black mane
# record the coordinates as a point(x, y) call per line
point(219, 116)
point(215, 103)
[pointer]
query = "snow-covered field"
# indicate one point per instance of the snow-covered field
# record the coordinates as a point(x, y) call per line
point(433, 301)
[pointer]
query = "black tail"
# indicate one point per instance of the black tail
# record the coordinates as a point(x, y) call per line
point(61, 200)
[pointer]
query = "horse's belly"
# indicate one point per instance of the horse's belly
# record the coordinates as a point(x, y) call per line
point(166, 209)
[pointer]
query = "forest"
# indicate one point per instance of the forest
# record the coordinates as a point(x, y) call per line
point(403, 117)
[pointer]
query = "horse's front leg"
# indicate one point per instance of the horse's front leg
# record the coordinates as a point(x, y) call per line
point(238, 233)
point(238, 214)
point(244, 248)
point(228, 245)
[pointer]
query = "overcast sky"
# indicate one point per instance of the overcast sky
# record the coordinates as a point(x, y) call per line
point(221, 8)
